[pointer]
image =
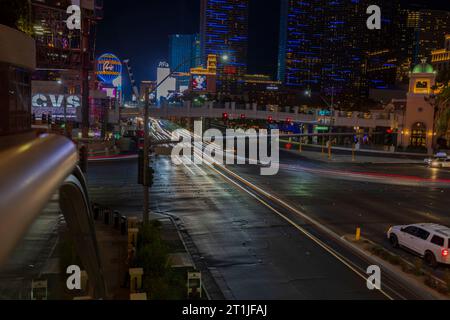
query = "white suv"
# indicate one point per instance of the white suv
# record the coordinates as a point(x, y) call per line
point(430, 241)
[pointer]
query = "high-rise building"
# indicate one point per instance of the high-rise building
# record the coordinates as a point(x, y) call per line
point(300, 49)
point(432, 28)
point(326, 48)
point(344, 45)
point(168, 86)
point(420, 32)
point(184, 52)
point(322, 47)
point(62, 70)
point(383, 47)
point(441, 58)
point(224, 32)
point(58, 47)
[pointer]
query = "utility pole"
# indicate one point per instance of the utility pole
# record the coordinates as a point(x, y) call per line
point(147, 145)
point(85, 67)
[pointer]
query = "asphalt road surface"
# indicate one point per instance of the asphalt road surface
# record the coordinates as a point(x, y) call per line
point(373, 197)
point(252, 252)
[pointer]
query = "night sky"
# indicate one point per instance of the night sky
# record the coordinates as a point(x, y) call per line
point(139, 30)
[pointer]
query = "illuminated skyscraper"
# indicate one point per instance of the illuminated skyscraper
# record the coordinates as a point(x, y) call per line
point(224, 32)
point(184, 54)
point(300, 59)
point(441, 57)
point(322, 47)
point(433, 26)
point(184, 51)
point(420, 32)
point(385, 47)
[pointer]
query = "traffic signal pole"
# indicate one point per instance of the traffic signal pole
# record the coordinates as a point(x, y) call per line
point(85, 66)
point(147, 145)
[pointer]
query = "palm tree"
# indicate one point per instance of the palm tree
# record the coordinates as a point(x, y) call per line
point(441, 103)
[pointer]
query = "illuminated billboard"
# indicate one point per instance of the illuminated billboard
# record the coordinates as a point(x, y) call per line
point(199, 83)
point(56, 105)
point(109, 68)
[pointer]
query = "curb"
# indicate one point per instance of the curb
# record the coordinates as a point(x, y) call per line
point(209, 276)
point(396, 272)
point(424, 292)
point(112, 158)
point(297, 153)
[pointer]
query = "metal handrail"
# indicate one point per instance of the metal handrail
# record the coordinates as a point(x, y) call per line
point(30, 173)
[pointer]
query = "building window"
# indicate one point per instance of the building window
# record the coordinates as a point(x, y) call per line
point(419, 135)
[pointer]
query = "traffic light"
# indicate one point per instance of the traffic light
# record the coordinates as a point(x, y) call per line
point(389, 137)
point(270, 119)
point(150, 172)
point(225, 116)
point(243, 116)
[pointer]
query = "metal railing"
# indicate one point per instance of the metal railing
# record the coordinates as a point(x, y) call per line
point(30, 174)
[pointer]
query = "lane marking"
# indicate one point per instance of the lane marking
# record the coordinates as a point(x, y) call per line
point(305, 232)
point(338, 256)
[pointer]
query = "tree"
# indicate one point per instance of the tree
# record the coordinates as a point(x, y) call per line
point(16, 14)
point(441, 103)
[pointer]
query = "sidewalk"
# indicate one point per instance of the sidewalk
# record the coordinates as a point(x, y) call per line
point(113, 248)
point(348, 158)
point(31, 258)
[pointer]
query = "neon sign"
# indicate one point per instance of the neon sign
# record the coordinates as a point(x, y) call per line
point(109, 68)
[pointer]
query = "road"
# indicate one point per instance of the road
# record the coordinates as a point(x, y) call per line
point(373, 197)
point(252, 252)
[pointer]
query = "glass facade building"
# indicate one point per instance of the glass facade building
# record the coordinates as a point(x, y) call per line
point(321, 47)
point(224, 32)
point(184, 52)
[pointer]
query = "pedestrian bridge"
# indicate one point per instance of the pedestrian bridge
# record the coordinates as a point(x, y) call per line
point(233, 110)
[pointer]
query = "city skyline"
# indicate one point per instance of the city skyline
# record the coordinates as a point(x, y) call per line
point(306, 158)
point(263, 48)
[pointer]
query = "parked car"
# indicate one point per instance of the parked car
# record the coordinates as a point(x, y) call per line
point(430, 241)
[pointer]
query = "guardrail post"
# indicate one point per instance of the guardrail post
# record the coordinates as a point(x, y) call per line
point(329, 149)
point(123, 225)
point(96, 210)
point(116, 220)
point(106, 216)
point(358, 234)
point(83, 161)
point(353, 152)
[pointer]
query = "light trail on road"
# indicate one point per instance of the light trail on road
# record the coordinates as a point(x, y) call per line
point(375, 177)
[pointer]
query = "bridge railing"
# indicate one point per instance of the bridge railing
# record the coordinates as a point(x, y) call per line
point(31, 173)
